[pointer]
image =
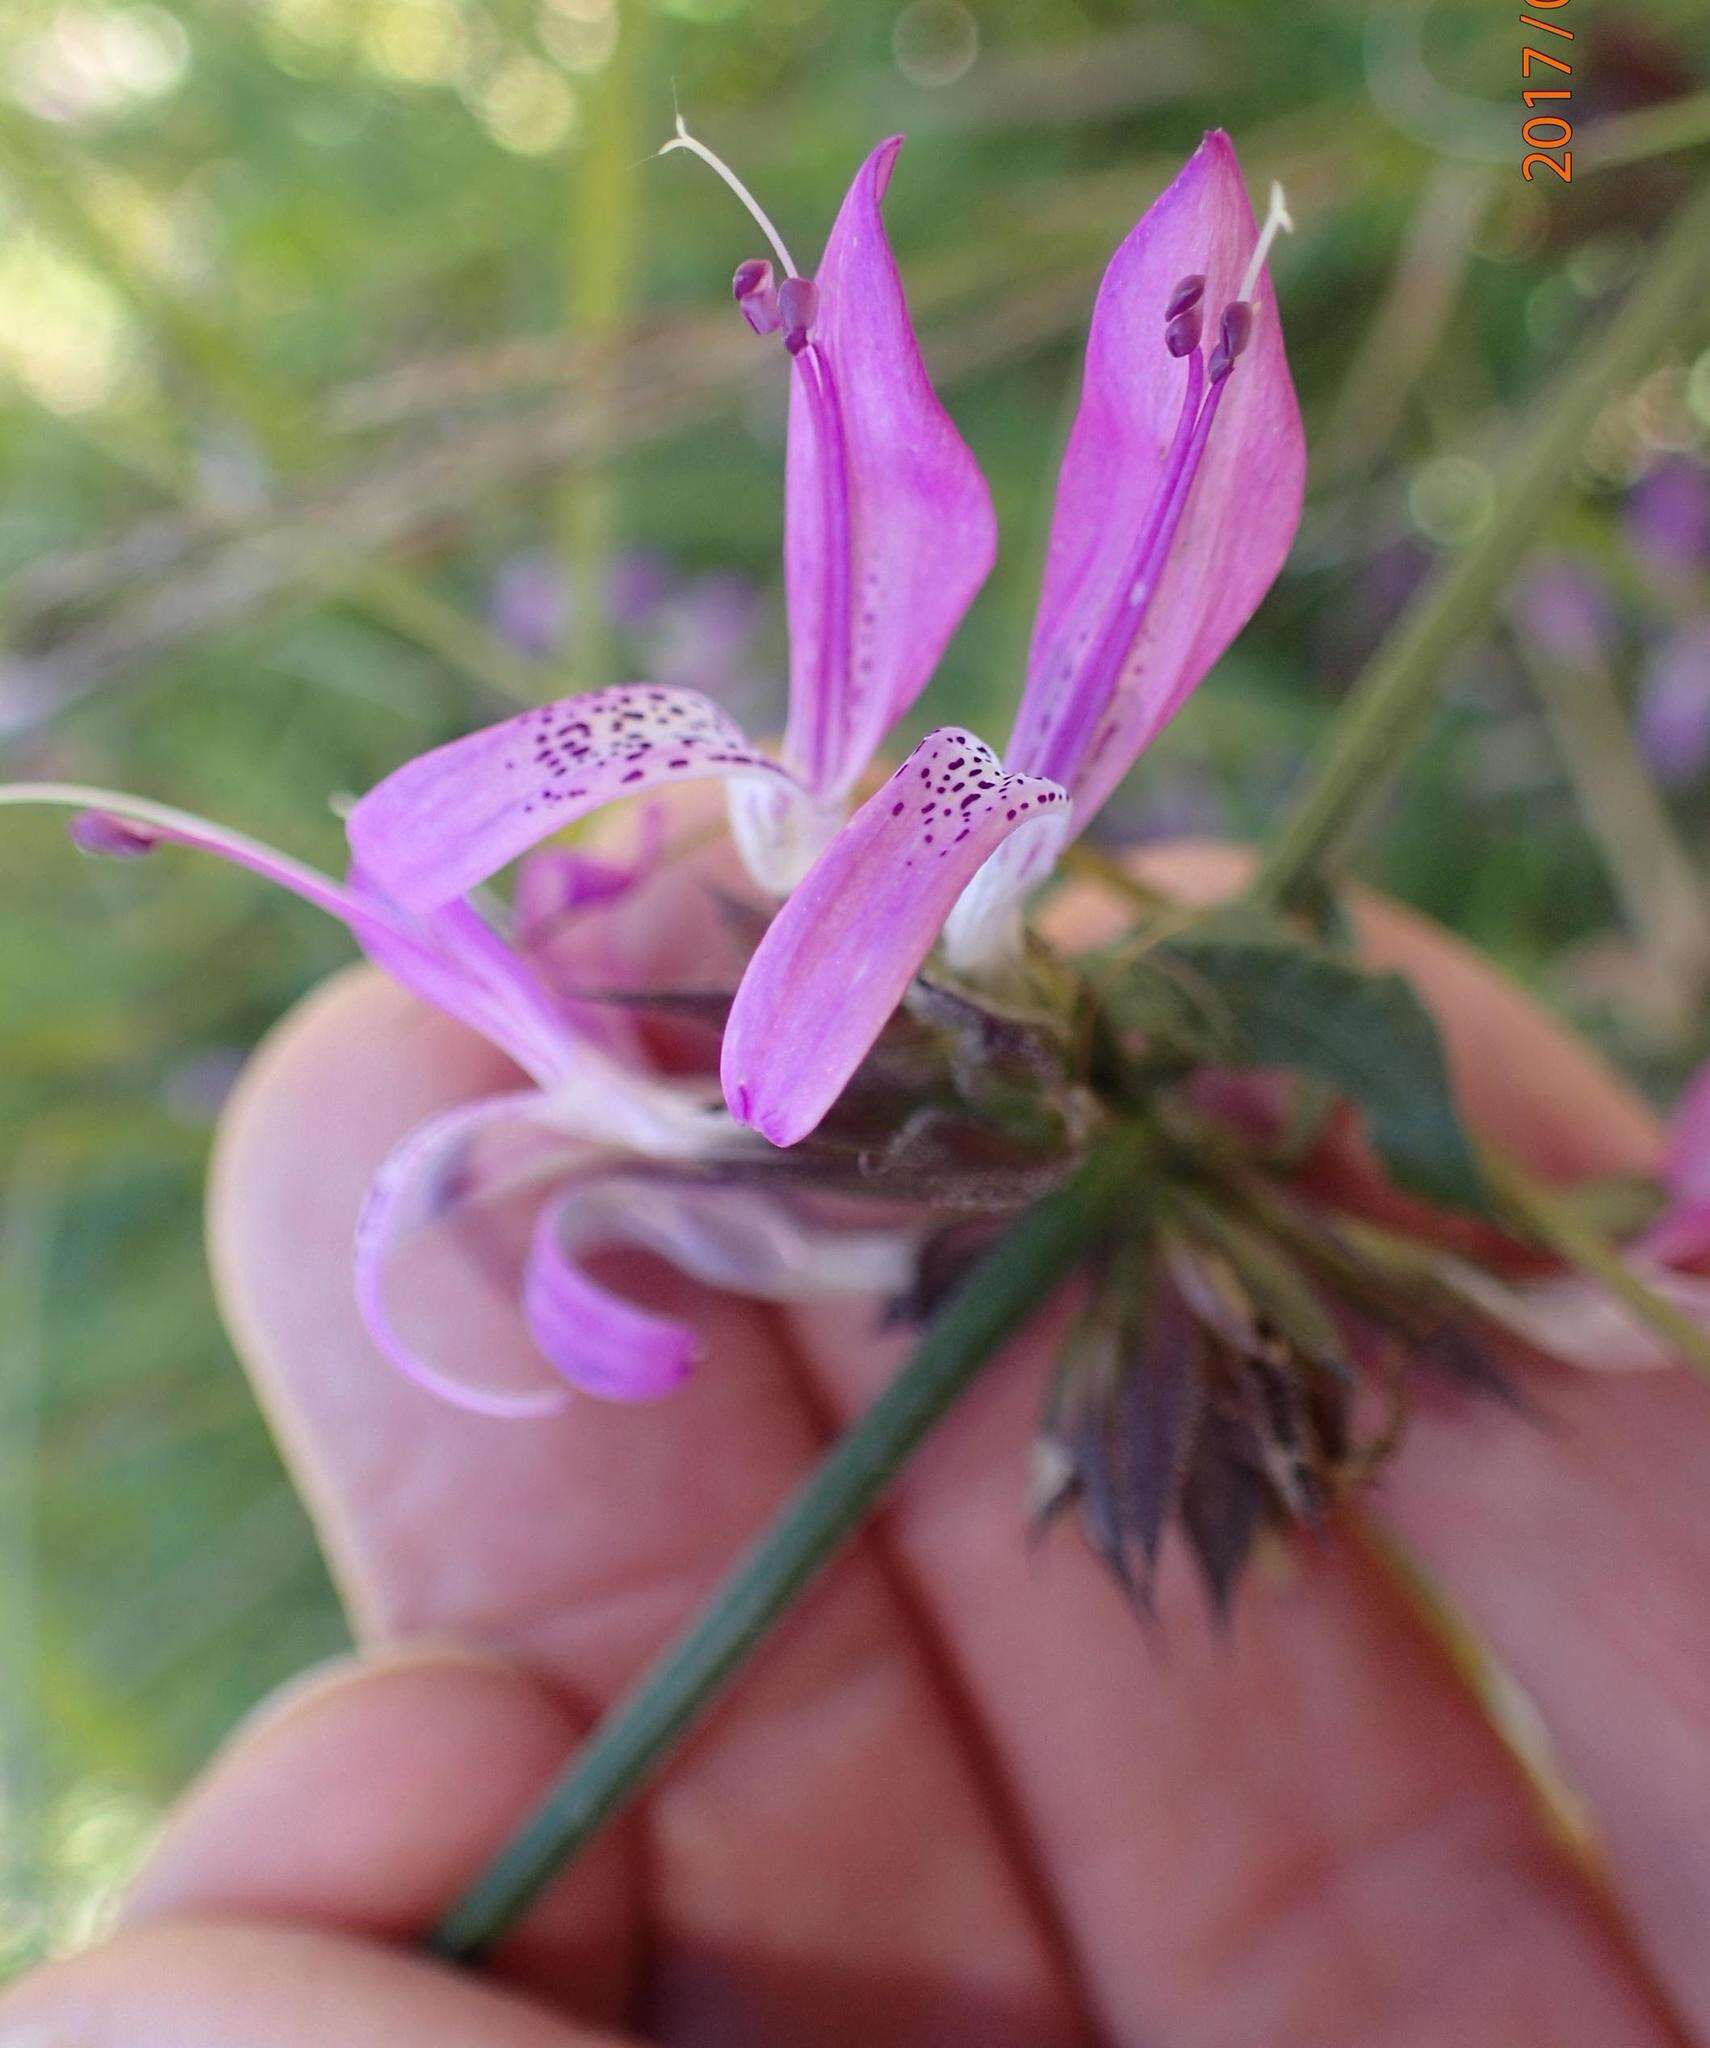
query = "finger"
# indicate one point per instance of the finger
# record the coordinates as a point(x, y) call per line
point(217, 1984)
point(581, 1543)
point(1579, 1550)
point(1305, 1830)
point(410, 1769)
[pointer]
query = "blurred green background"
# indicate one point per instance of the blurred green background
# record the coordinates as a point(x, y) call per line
point(360, 373)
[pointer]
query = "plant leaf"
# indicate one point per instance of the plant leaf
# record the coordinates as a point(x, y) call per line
point(1367, 1035)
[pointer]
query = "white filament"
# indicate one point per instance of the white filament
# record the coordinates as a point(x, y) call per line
point(1278, 221)
point(684, 140)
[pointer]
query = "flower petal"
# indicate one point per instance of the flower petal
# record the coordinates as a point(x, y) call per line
point(598, 1342)
point(889, 525)
point(431, 1175)
point(840, 954)
point(445, 822)
point(1240, 514)
point(452, 959)
point(480, 1156)
point(1686, 1169)
point(730, 1238)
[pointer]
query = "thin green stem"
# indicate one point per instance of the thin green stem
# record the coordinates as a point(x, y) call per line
point(628, 1746)
point(1393, 698)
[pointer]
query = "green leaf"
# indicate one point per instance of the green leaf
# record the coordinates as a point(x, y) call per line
point(1368, 1036)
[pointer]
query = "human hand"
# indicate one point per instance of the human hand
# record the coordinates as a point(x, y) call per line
point(962, 1798)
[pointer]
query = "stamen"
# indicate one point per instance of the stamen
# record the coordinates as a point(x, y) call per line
point(1233, 337)
point(1186, 295)
point(104, 832)
point(1278, 220)
point(1181, 335)
point(684, 140)
point(756, 295)
point(798, 308)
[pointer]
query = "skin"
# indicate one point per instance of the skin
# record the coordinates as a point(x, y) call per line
point(962, 1797)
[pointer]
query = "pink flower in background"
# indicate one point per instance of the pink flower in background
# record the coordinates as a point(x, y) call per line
point(1668, 519)
point(1674, 706)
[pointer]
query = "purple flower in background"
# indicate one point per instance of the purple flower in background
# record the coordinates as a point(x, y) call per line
point(1674, 706)
point(1668, 518)
point(1561, 607)
point(529, 605)
point(1178, 500)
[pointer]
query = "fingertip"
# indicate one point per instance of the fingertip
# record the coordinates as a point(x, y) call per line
point(222, 1983)
point(366, 1796)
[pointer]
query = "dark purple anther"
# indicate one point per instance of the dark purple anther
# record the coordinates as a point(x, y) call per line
point(1182, 331)
point(1237, 331)
point(798, 307)
point(755, 295)
point(119, 838)
point(1185, 297)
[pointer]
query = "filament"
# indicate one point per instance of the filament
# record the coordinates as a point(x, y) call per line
point(684, 140)
point(1278, 220)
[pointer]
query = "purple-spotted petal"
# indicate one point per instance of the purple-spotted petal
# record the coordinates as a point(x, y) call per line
point(445, 822)
point(1096, 693)
point(837, 958)
point(889, 526)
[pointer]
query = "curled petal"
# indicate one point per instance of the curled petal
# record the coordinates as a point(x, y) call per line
point(730, 1238)
point(473, 1160)
point(437, 827)
point(1103, 681)
point(441, 1169)
point(598, 1341)
point(889, 526)
point(836, 960)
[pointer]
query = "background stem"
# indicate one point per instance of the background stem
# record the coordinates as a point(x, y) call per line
point(1381, 721)
point(994, 1303)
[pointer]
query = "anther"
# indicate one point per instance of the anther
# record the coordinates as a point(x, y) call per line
point(1235, 333)
point(106, 833)
point(756, 295)
point(1182, 331)
point(1186, 296)
point(798, 307)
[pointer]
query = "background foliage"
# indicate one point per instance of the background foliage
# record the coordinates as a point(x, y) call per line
point(359, 374)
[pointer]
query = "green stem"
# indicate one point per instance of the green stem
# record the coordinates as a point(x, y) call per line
point(623, 1752)
point(1396, 694)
